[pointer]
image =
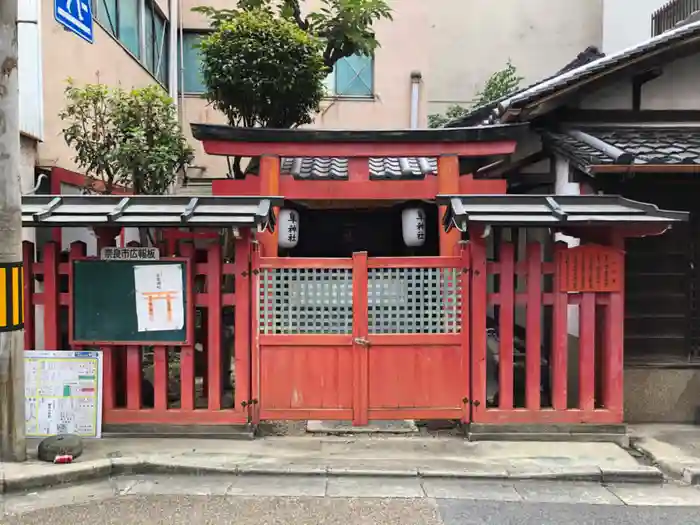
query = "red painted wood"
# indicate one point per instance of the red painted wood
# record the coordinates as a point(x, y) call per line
point(244, 299)
point(547, 416)
point(506, 322)
point(448, 184)
point(214, 276)
point(108, 380)
point(133, 377)
point(160, 377)
point(50, 296)
point(613, 358)
point(415, 413)
point(466, 332)
point(250, 186)
point(478, 325)
point(187, 367)
point(28, 290)
point(283, 262)
point(270, 185)
point(306, 414)
point(586, 351)
point(533, 322)
point(174, 417)
point(344, 149)
point(360, 352)
point(415, 262)
point(358, 170)
point(469, 186)
point(304, 340)
point(416, 339)
point(548, 299)
point(591, 268)
point(560, 342)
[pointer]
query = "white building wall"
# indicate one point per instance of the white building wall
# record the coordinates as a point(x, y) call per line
point(31, 99)
point(627, 22)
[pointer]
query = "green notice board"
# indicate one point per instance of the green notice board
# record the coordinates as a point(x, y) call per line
point(104, 304)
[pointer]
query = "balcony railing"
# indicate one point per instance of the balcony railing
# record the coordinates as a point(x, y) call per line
point(671, 14)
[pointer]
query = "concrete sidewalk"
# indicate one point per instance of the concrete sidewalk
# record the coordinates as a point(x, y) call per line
point(339, 456)
point(674, 448)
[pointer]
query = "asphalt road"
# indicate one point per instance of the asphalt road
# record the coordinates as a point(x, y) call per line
point(215, 510)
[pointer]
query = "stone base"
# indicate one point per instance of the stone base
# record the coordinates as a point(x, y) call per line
point(245, 432)
point(577, 433)
point(407, 426)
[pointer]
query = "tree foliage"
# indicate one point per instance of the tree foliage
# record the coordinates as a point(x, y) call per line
point(125, 138)
point(499, 85)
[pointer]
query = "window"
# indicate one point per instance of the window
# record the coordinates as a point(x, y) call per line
point(156, 46)
point(192, 63)
point(352, 76)
point(121, 18)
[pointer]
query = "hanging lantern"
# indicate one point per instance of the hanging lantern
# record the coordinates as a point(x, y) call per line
point(413, 227)
point(288, 225)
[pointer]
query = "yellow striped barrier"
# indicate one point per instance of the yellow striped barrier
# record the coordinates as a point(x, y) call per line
point(11, 297)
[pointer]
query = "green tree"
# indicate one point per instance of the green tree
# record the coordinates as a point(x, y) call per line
point(500, 84)
point(265, 62)
point(125, 138)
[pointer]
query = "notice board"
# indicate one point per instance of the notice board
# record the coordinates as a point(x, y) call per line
point(63, 393)
point(130, 302)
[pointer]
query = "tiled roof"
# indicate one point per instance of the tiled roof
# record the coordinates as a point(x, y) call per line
point(644, 144)
point(652, 48)
point(379, 167)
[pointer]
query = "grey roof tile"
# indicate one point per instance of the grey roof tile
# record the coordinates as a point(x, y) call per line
point(649, 145)
point(380, 168)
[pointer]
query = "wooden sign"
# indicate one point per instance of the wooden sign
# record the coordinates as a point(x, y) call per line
point(590, 268)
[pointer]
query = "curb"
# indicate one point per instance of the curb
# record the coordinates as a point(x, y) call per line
point(675, 466)
point(105, 468)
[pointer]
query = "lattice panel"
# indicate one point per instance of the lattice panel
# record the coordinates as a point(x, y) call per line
point(414, 301)
point(305, 301)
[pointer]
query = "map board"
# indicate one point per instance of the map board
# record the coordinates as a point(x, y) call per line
point(63, 393)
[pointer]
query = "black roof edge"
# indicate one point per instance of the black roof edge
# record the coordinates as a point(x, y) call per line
point(270, 135)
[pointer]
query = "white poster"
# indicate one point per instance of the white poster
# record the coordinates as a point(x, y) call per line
point(159, 297)
point(63, 393)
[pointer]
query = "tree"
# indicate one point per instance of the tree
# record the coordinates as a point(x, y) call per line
point(265, 62)
point(125, 138)
point(499, 85)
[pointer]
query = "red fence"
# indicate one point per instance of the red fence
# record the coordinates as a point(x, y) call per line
point(188, 386)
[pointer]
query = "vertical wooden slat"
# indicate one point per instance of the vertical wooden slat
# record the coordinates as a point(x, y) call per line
point(28, 258)
point(108, 378)
point(160, 378)
point(78, 250)
point(478, 312)
point(214, 277)
point(51, 299)
point(448, 184)
point(560, 338)
point(587, 352)
point(613, 359)
point(187, 371)
point(533, 343)
point(246, 300)
point(466, 329)
point(505, 323)
point(251, 344)
point(359, 331)
point(133, 377)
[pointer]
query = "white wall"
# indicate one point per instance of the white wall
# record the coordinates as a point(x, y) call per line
point(31, 103)
point(627, 22)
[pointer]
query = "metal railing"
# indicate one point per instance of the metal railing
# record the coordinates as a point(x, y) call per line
point(671, 14)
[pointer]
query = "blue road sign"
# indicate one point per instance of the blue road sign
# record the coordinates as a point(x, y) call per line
point(75, 16)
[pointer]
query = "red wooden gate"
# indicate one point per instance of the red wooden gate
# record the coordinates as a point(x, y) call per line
point(361, 338)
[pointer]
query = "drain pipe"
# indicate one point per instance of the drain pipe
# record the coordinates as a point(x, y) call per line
point(416, 78)
point(172, 51)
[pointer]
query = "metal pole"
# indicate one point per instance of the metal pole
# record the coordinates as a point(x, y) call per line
point(12, 433)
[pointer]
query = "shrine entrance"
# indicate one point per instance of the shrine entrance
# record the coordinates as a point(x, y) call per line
point(361, 338)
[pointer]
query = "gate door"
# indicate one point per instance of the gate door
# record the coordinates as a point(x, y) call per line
point(416, 338)
point(362, 338)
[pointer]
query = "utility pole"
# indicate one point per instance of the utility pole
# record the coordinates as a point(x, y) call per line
point(12, 433)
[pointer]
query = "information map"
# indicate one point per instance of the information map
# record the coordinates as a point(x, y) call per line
point(63, 393)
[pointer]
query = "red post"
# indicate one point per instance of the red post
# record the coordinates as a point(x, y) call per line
point(215, 271)
point(28, 290)
point(359, 333)
point(478, 311)
point(108, 378)
point(269, 185)
point(586, 352)
point(448, 184)
point(51, 298)
point(505, 322)
point(560, 339)
point(187, 372)
point(466, 326)
point(244, 347)
point(133, 377)
point(613, 359)
point(533, 354)
point(160, 378)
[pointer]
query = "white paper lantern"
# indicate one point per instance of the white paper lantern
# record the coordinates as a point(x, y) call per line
point(413, 227)
point(288, 225)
